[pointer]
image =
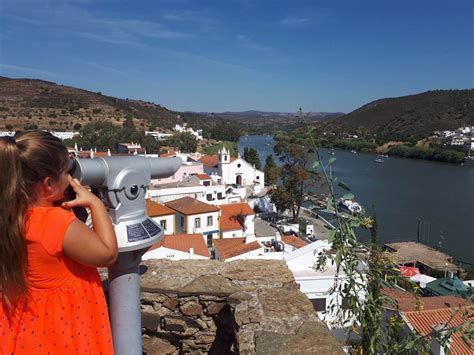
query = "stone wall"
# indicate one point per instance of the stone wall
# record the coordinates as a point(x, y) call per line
point(245, 306)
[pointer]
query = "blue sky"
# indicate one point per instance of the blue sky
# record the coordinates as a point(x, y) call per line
point(235, 55)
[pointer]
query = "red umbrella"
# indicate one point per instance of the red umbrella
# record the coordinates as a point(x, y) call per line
point(409, 271)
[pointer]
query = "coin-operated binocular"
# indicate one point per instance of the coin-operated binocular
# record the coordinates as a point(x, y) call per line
point(121, 183)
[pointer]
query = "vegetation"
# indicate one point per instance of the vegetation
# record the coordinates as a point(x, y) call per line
point(407, 117)
point(186, 142)
point(359, 280)
point(105, 135)
point(251, 156)
point(438, 154)
point(270, 170)
point(213, 149)
point(294, 174)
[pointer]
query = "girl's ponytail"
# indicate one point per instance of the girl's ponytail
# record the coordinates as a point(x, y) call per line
point(13, 252)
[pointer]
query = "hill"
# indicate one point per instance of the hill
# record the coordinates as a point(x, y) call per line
point(257, 122)
point(407, 117)
point(30, 102)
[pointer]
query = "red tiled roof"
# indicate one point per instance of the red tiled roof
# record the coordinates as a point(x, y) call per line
point(230, 247)
point(189, 206)
point(407, 302)
point(423, 322)
point(231, 215)
point(183, 242)
point(293, 241)
point(212, 160)
point(155, 209)
point(203, 176)
point(168, 154)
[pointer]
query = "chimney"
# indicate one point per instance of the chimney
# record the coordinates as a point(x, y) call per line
point(437, 334)
point(191, 253)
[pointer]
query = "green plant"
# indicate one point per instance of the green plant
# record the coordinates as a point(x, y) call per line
point(359, 281)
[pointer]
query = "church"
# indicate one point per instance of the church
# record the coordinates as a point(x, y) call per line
point(233, 170)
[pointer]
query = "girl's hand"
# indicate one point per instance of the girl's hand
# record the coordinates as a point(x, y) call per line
point(84, 198)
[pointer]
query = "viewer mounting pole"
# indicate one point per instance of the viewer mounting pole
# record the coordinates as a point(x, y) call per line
point(121, 183)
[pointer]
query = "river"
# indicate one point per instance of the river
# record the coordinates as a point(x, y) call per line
point(404, 191)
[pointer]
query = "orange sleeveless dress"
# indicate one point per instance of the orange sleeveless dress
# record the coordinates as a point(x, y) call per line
point(67, 311)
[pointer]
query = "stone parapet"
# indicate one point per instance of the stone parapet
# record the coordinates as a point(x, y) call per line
point(240, 307)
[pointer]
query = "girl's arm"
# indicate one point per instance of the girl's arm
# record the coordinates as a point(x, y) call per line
point(94, 247)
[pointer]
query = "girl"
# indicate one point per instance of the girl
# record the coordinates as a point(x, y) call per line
point(51, 299)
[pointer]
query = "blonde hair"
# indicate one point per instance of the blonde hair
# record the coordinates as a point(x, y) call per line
point(25, 161)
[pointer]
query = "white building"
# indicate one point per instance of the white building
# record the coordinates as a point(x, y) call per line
point(194, 216)
point(158, 135)
point(64, 134)
point(179, 247)
point(162, 215)
point(237, 221)
point(233, 170)
point(185, 129)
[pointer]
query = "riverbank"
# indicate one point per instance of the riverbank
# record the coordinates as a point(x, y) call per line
point(409, 197)
point(403, 149)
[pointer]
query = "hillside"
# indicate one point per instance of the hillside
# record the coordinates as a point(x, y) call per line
point(407, 117)
point(29, 102)
point(257, 122)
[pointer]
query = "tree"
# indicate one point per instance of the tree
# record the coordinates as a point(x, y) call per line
point(187, 142)
point(294, 174)
point(270, 170)
point(151, 145)
point(251, 156)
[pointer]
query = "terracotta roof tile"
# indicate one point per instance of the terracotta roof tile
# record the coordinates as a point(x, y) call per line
point(231, 215)
point(230, 247)
point(168, 154)
point(183, 242)
point(203, 176)
point(407, 301)
point(423, 322)
point(293, 241)
point(155, 209)
point(189, 206)
point(212, 160)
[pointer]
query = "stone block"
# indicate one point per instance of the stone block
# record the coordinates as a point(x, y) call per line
point(171, 303)
point(215, 307)
point(191, 309)
point(148, 297)
point(150, 321)
point(157, 346)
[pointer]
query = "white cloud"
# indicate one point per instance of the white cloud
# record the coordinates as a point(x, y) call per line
point(295, 21)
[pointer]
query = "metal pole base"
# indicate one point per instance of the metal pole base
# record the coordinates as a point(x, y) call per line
point(124, 299)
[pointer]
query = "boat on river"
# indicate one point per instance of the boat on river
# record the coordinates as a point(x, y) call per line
point(379, 160)
point(349, 206)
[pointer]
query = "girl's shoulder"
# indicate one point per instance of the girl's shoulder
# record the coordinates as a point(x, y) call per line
point(48, 225)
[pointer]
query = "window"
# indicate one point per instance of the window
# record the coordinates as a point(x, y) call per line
point(319, 304)
point(182, 221)
point(163, 223)
point(206, 183)
point(197, 222)
point(209, 197)
point(239, 165)
point(209, 241)
point(209, 221)
point(219, 196)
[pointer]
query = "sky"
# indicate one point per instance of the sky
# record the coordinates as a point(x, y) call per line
point(237, 55)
